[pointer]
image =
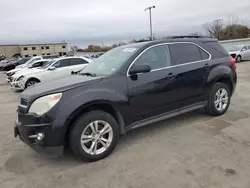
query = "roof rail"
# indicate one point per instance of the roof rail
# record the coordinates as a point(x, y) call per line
point(189, 36)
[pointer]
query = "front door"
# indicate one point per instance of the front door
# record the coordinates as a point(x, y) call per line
point(149, 92)
point(244, 53)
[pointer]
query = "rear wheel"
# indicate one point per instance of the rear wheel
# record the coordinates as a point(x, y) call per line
point(94, 136)
point(218, 99)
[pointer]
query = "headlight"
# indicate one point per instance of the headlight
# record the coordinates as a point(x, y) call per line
point(44, 104)
point(20, 78)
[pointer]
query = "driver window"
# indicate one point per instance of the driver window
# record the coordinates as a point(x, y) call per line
point(244, 48)
point(157, 57)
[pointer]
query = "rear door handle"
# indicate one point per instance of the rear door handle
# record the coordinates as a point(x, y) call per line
point(171, 76)
point(206, 67)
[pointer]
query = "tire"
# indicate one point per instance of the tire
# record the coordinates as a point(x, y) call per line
point(31, 82)
point(83, 125)
point(238, 59)
point(215, 95)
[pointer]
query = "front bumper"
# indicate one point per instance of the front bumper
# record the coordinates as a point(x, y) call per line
point(28, 126)
point(17, 85)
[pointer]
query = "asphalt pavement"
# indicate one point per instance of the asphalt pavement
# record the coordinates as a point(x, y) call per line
point(193, 150)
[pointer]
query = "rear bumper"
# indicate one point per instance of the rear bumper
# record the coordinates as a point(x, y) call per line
point(28, 131)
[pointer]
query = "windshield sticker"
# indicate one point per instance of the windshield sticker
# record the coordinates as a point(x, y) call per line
point(129, 49)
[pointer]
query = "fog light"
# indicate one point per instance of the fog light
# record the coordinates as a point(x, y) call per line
point(38, 136)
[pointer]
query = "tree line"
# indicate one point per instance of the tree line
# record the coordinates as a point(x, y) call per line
point(216, 29)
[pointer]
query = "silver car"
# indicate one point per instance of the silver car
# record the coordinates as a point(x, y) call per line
point(240, 52)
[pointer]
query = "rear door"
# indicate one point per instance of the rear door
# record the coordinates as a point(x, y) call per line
point(77, 64)
point(191, 67)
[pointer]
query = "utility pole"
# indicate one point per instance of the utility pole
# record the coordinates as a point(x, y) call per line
point(150, 21)
point(218, 28)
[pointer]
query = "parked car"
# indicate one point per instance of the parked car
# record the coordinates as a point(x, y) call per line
point(127, 87)
point(13, 64)
point(5, 62)
point(27, 64)
point(32, 65)
point(55, 69)
point(240, 52)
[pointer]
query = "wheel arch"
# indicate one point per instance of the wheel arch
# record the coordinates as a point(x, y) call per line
point(31, 78)
point(224, 79)
point(105, 106)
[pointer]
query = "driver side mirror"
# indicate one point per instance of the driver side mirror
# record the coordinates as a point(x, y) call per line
point(139, 69)
point(52, 68)
point(243, 49)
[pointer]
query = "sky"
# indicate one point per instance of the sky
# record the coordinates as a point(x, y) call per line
point(84, 22)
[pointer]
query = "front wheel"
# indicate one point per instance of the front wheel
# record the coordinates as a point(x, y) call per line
point(238, 59)
point(218, 99)
point(94, 135)
point(31, 83)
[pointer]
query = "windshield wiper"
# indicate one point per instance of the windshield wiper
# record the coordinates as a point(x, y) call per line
point(88, 74)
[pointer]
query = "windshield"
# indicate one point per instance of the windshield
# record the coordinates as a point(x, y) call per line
point(234, 48)
point(48, 64)
point(110, 62)
point(29, 61)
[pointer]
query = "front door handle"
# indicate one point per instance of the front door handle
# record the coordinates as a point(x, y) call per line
point(206, 67)
point(171, 76)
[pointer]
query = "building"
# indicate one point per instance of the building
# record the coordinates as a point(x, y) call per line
point(9, 50)
point(25, 50)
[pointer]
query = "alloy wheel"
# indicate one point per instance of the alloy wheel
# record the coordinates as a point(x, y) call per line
point(221, 99)
point(96, 137)
point(31, 83)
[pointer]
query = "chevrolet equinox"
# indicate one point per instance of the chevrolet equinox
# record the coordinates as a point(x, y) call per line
point(128, 87)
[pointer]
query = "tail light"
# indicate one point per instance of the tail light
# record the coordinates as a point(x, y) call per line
point(233, 61)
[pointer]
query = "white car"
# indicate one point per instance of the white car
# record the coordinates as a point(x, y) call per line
point(55, 69)
point(25, 65)
point(32, 65)
point(240, 52)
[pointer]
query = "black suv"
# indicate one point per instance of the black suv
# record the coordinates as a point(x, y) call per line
point(127, 87)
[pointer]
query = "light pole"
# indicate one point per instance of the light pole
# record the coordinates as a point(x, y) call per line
point(150, 20)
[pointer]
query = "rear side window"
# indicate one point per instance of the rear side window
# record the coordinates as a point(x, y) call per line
point(62, 63)
point(77, 61)
point(184, 53)
point(217, 47)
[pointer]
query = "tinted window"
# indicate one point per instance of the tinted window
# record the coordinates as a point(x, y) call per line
point(244, 48)
point(204, 54)
point(62, 63)
point(248, 47)
point(157, 57)
point(217, 48)
point(77, 61)
point(184, 53)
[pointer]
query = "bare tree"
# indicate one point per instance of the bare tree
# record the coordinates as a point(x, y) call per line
point(214, 29)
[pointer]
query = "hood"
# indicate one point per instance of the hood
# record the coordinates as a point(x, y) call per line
point(26, 71)
point(59, 85)
point(13, 71)
point(10, 63)
point(233, 52)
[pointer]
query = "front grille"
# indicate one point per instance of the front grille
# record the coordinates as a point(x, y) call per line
point(233, 55)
